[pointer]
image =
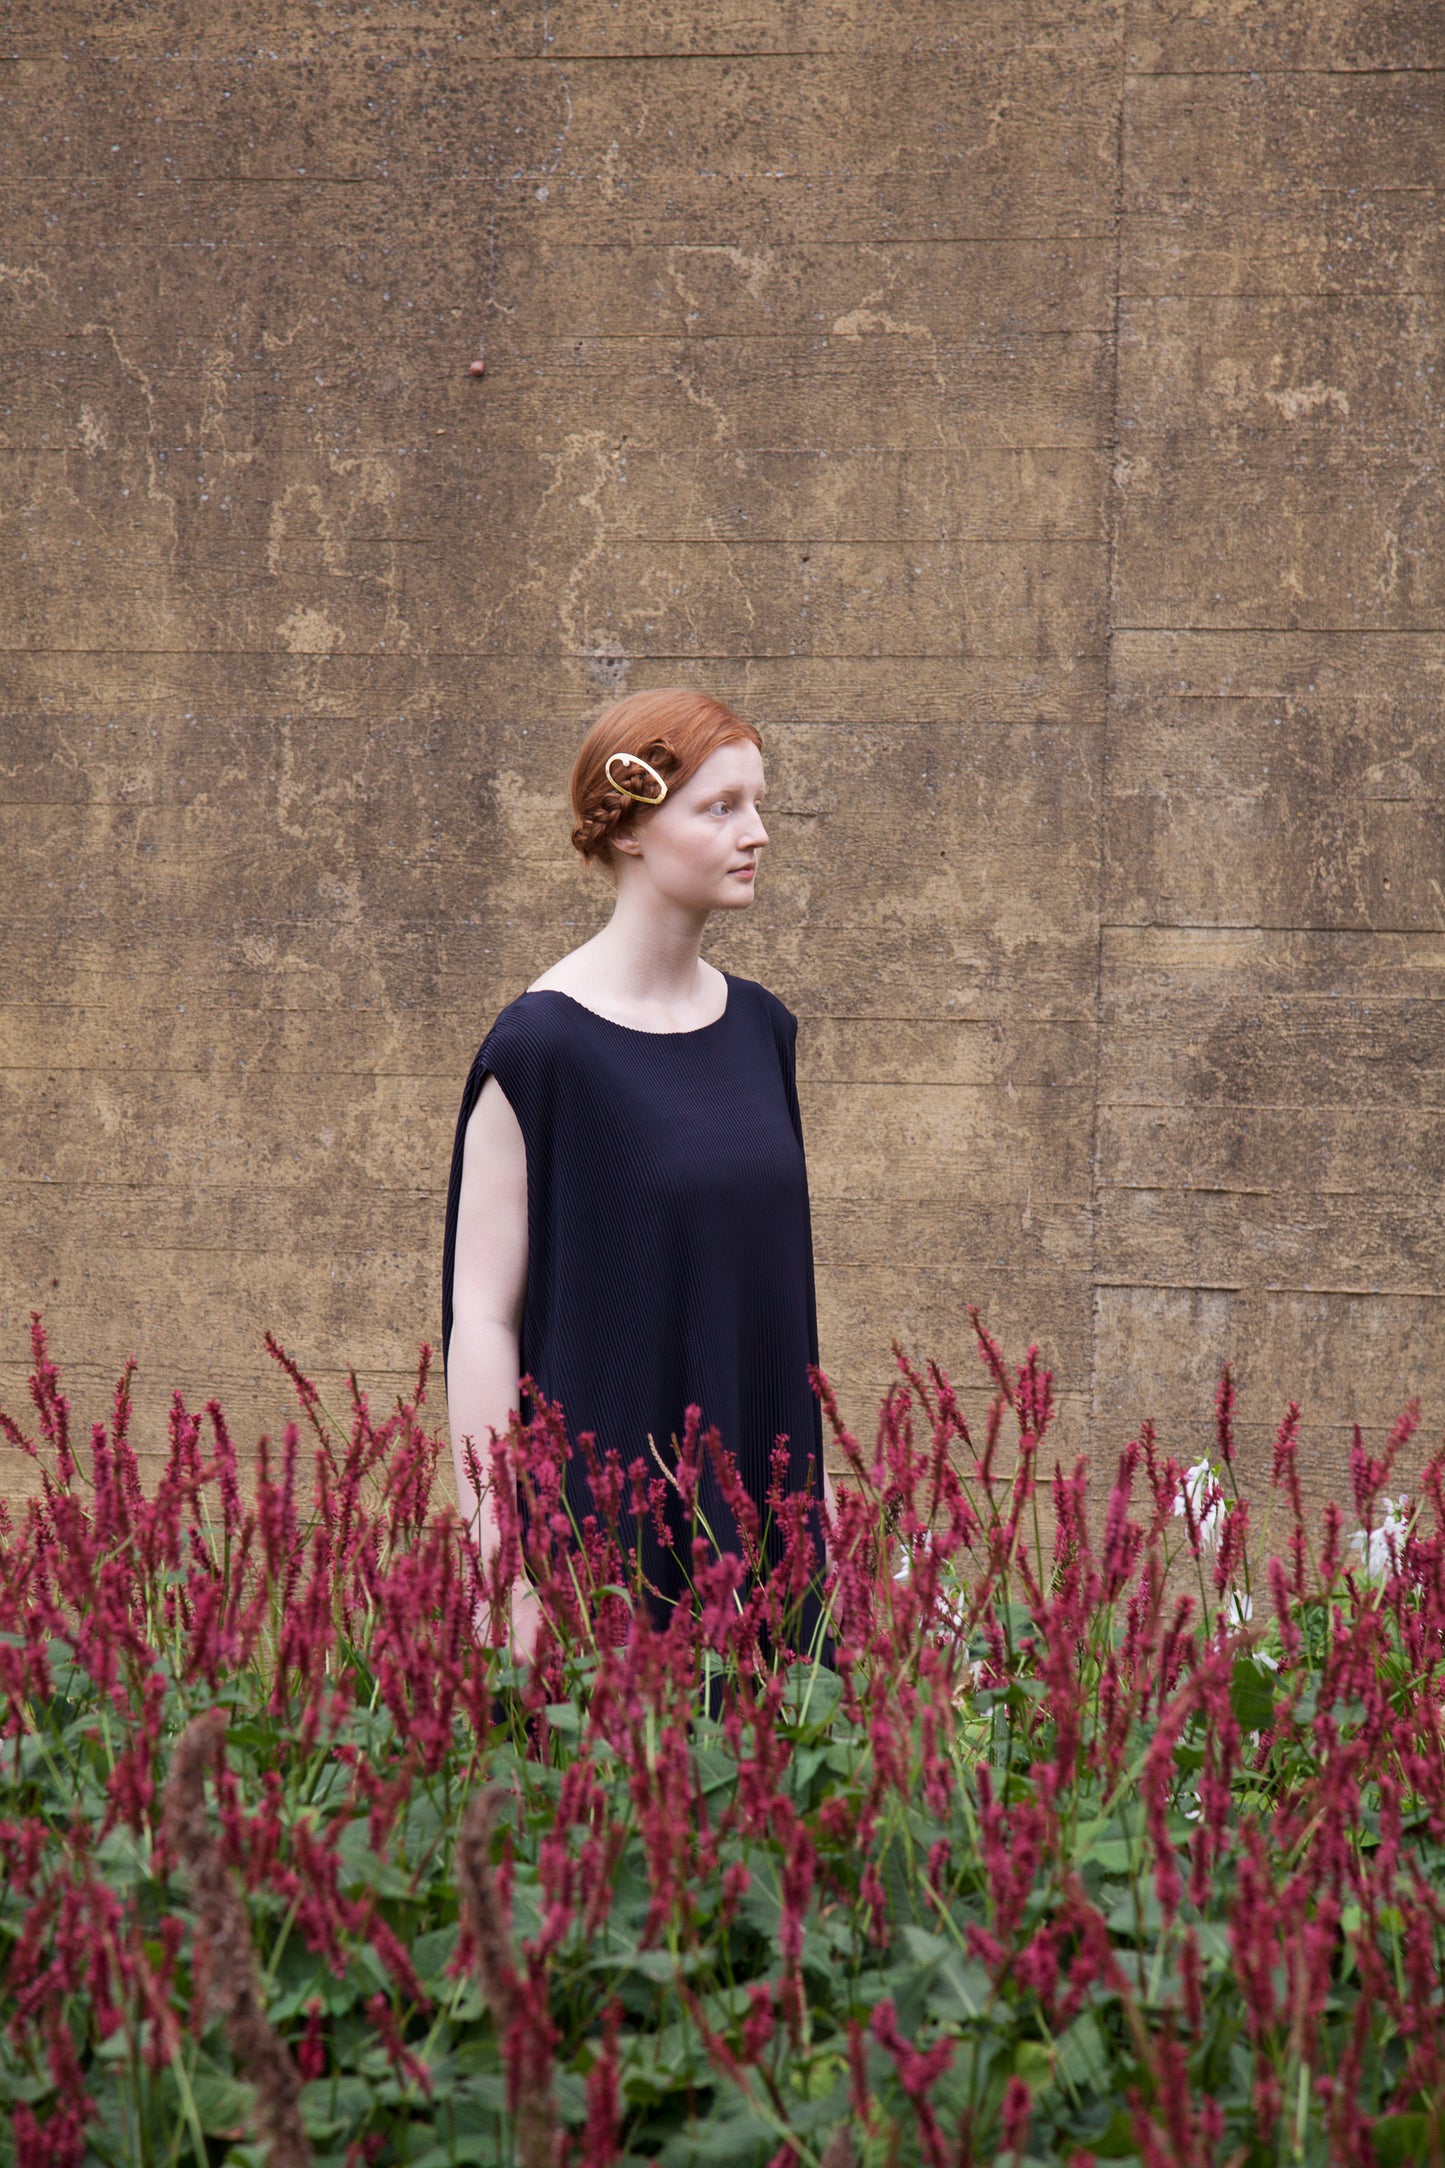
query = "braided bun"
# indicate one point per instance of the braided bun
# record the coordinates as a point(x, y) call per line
point(673, 731)
point(613, 808)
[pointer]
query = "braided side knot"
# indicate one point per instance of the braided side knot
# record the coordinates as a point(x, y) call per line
point(594, 832)
point(608, 810)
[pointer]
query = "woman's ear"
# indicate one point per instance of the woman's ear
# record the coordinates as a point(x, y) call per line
point(628, 843)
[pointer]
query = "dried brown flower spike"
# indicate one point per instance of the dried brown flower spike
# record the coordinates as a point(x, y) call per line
point(481, 1906)
point(522, 2028)
point(225, 1955)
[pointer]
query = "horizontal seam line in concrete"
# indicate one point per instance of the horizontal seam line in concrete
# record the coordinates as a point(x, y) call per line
point(862, 55)
point(1307, 1191)
point(1275, 1287)
point(1353, 294)
point(998, 237)
point(852, 449)
point(1254, 925)
point(137, 174)
point(76, 1363)
point(730, 542)
point(1003, 341)
point(255, 1071)
point(806, 1015)
point(810, 1017)
point(251, 1068)
point(636, 654)
point(1248, 75)
point(1351, 1105)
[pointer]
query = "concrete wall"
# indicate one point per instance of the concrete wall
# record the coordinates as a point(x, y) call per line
point(1028, 412)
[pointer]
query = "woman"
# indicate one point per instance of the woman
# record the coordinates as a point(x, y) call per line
point(627, 1217)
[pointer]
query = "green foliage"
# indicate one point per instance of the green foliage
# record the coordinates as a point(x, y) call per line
point(1046, 1864)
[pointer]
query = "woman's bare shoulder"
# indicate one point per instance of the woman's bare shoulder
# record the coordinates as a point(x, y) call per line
point(571, 974)
point(559, 978)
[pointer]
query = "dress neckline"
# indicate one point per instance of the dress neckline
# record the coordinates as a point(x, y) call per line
point(640, 1031)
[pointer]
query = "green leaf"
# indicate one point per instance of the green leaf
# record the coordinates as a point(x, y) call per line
point(1401, 2140)
point(1082, 2055)
point(1118, 2142)
point(1252, 1694)
point(807, 1761)
point(736, 2139)
point(362, 1870)
point(651, 1964)
point(431, 1953)
point(1141, 1917)
point(1034, 2062)
point(1113, 1855)
point(302, 1978)
point(467, 2146)
point(658, 2064)
point(478, 2101)
point(223, 2103)
point(954, 1986)
point(1213, 1943)
point(716, 1770)
point(819, 2076)
point(336, 2104)
point(923, 1947)
point(811, 1692)
point(762, 1904)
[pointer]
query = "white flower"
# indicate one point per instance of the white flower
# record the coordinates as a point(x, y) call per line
point(1240, 1610)
point(947, 1615)
point(1206, 1500)
point(1383, 1548)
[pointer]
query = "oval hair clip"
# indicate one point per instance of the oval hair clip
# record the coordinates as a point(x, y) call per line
point(635, 760)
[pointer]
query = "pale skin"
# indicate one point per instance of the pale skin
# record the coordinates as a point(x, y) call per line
point(696, 853)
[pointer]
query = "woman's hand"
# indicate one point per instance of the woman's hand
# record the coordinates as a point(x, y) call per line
point(526, 1621)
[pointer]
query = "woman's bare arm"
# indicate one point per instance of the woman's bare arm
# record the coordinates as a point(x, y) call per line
point(489, 1286)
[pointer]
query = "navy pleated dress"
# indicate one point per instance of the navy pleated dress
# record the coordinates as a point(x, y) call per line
point(670, 1256)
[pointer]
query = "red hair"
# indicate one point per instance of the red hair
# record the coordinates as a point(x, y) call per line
point(674, 731)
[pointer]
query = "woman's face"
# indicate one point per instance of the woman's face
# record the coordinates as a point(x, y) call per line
point(701, 847)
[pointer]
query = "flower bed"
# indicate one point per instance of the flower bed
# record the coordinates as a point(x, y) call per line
point(1101, 1840)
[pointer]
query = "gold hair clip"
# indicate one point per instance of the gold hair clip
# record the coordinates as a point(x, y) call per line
point(635, 760)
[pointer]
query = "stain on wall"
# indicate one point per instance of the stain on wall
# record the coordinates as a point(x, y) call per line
point(1028, 413)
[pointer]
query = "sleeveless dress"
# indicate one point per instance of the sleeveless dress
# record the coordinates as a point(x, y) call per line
point(670, 1257)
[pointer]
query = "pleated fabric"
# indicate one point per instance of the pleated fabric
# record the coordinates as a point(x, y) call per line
point(670, 1253)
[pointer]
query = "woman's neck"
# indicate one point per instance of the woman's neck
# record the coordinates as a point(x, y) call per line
point(644, 969)
point(650, 950)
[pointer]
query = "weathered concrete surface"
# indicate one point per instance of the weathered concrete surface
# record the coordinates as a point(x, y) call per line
point(1270, 1142)
point(1029, 414)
